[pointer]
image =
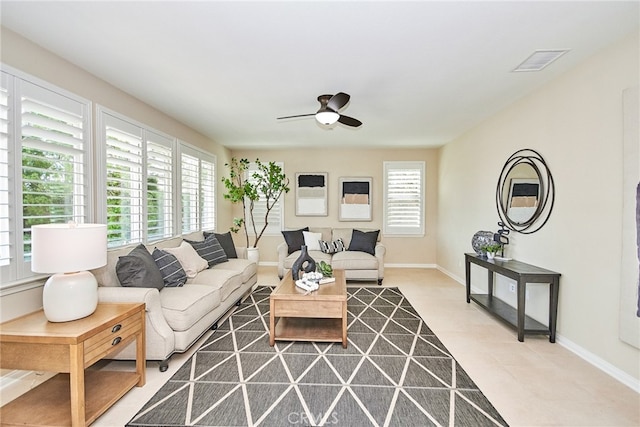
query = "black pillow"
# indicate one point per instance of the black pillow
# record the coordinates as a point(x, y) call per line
point(210, 250)
point(294, 239)
point(139, 270)
point(172, 272)
point(226, 241)
point(364, 241)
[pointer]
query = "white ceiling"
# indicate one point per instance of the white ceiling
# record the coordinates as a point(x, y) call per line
point(419, 73)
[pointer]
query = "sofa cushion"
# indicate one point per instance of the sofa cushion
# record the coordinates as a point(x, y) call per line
point(172, 272)
point(332, 247)
point(183, 307)
point(354, 260)
point(364, 241)
point(294, 239)
point(316, 255)
point(209, 249)
point(189, 259)
point(226, 241)
point(138, 269)
point(225, 280)
point(246, 268)
point(312, 240)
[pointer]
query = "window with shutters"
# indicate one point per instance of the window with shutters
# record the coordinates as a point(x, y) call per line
point(404, 194)
point(45, 159)
point(198, 183)
point(138, 175)
point(276, 216)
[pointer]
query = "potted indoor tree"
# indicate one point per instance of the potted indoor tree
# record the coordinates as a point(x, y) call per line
point(266, 183)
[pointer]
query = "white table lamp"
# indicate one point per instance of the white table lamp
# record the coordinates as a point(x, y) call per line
point(68, 250)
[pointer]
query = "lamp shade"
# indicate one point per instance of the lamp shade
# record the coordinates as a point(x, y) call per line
point(67, 248)
point(327, 117)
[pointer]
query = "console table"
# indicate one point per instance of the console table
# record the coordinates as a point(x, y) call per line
point(77, 396)
point(522, 273)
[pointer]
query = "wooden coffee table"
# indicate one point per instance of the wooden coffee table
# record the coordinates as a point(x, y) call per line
point(319, 316)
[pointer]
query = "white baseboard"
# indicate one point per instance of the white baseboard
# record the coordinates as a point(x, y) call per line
point(599, 363)
point(589, 357)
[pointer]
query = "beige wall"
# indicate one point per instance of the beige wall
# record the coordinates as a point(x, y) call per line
point(575, 122)
point(346, 162)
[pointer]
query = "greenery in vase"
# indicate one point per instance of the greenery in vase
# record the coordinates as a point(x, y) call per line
point(268, 183)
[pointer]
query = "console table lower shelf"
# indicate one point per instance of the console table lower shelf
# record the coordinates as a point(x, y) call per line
point(508, 314)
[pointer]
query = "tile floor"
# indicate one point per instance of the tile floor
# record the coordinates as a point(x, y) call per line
point(534, 383)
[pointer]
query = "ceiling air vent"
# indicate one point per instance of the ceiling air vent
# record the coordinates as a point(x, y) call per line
point(540, 59)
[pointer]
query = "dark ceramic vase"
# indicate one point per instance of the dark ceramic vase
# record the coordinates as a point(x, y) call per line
point(303, 263)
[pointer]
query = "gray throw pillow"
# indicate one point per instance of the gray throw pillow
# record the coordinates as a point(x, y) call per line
point(294, 239)
point(139, 270)
point(226, 241)
point(364, 241)
point(172, 272)
point(210, 250)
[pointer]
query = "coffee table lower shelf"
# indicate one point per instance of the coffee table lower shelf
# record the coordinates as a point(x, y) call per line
point(308, 329)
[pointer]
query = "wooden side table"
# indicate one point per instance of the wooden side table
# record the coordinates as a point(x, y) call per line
point(74, 397)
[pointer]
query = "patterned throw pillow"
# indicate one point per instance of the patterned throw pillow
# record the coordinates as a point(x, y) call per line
point(210, 250)
point(332, 247)
point(172, 272)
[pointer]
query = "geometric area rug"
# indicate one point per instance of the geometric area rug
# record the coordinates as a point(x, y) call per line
point(394, 372)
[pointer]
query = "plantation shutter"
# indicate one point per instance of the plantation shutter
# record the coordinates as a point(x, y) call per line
point(44, 165)
point(207, 194)
point(198, 181)
point(404, 198)
point(124, 166)
point(5, 206)
point(190, 168)
point(55, 153)
point(159, 186)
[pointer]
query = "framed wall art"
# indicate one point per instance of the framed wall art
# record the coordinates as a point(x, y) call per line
point(311, 194)
point(355, 199)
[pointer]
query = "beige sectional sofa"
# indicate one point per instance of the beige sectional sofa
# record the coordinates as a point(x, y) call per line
point(177, 316)
point(357, 264)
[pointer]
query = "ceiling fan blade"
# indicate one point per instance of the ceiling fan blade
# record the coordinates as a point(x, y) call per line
point(349, 121)
point(299, 115)
point(338, 101)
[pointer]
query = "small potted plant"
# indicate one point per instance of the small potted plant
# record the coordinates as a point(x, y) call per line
point(492, 249)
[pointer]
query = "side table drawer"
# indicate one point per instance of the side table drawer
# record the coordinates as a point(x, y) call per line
point(112, 338)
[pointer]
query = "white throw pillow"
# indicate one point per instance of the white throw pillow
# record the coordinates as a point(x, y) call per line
point(312, 240)
point(191, 262)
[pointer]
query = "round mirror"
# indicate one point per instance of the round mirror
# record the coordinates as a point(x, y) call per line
point(525, 192)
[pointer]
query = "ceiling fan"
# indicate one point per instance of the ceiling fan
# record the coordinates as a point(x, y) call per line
point(328, 112)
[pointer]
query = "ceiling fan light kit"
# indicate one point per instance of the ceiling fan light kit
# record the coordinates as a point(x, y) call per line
point(328, 113)
point(327, 117)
